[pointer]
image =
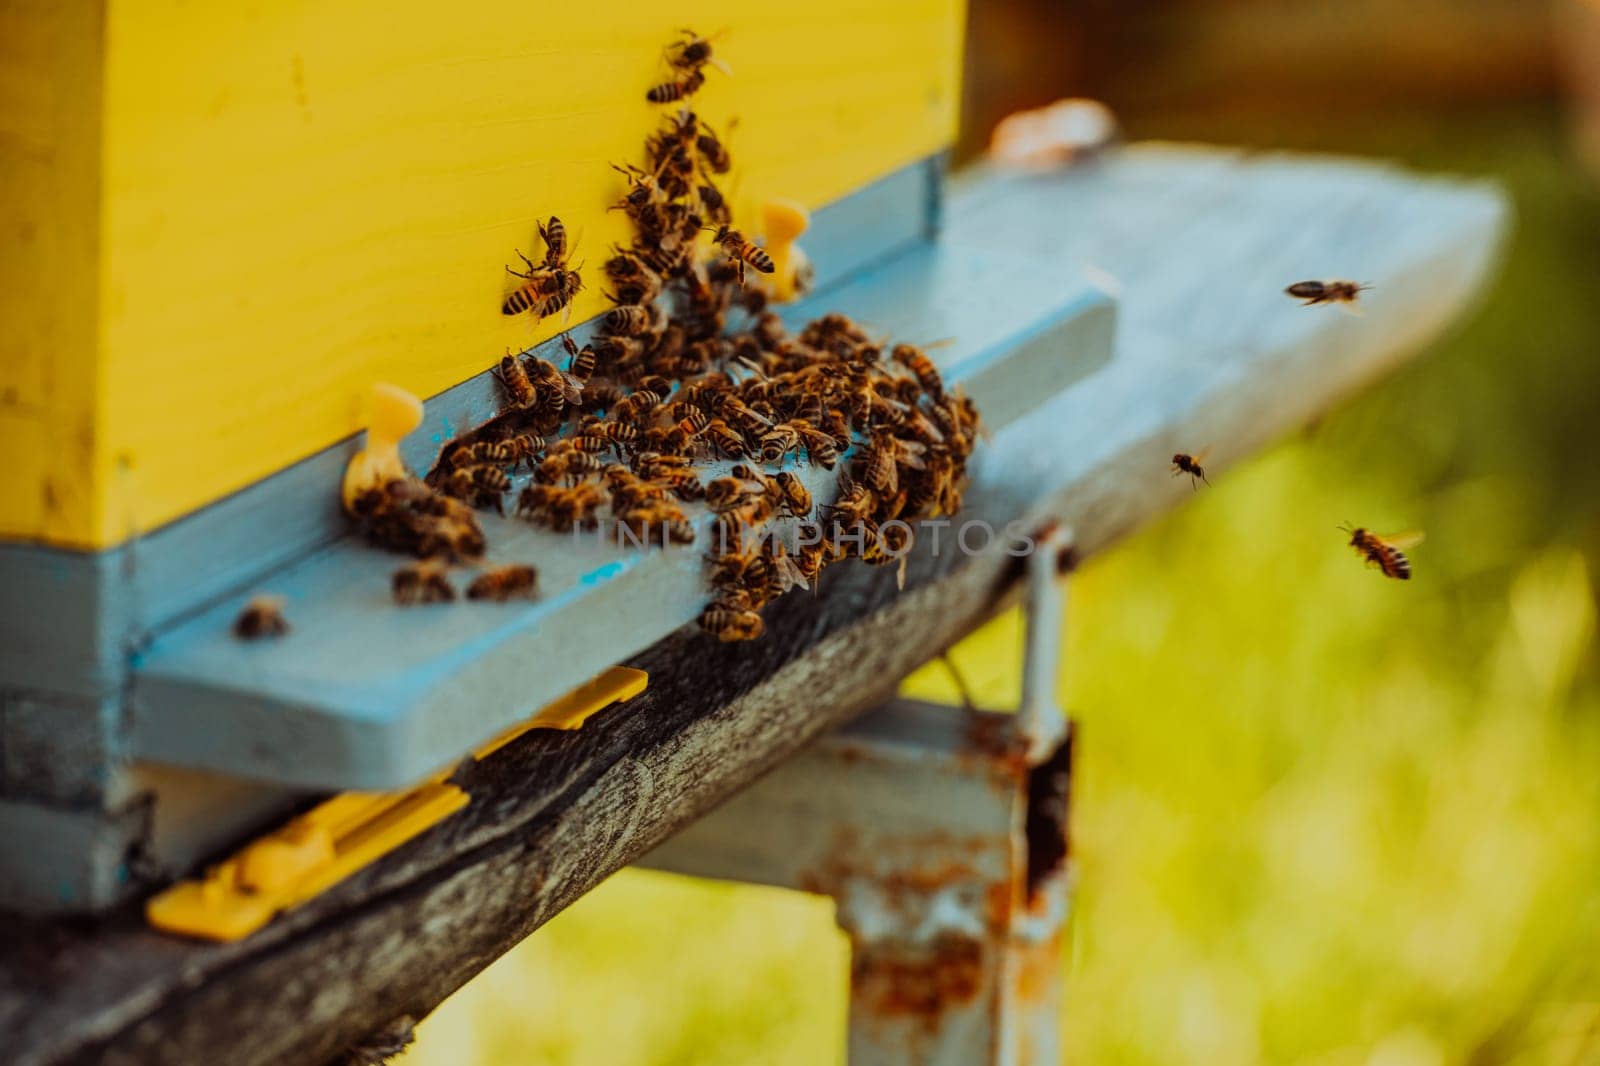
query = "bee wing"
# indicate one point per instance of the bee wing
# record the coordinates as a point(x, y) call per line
point(571, 389)
point(1401, 541)
point(790, 575)
point(1199, 457)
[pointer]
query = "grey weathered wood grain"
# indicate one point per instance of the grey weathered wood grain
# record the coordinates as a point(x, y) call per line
point(1209, 351)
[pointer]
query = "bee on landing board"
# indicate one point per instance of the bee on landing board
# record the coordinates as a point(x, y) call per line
point(505, 583)
point(1327, 292)
point(423, 582)
point(261, 617)
point(1184, 463)
point(1386, 552)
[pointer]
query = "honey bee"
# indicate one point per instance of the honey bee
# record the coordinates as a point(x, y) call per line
point(712, 151)
point(740, 252)
point(505, 583)
point(1320, 292)
point(634, 282)
point(778, 442)
point(855, 500)
point(1184, 463)
point(916, 360)
point(679, 88)
point(420, 583)
point(544, 290)
point(724, 439)
point(725, 494)
point(554, 235)
point(1385, 552)
point(513, 377)
point(785, 572)
point(556, 383)
point(796, 497)
point(729, 621)
point(630, 320)
point(714, 204)
point(821, 448)
point(730, 526)
point(637, 405)
point(261, 617)
point(691, 53)
point(478, 484)
point(581, 361)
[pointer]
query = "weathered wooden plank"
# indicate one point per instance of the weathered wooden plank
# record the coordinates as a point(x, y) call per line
point(552, 814)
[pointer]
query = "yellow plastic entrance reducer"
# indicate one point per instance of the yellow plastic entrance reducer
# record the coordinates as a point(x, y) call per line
point(333, 840)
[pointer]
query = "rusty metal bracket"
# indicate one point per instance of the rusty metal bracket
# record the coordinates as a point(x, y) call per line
point(945, 848)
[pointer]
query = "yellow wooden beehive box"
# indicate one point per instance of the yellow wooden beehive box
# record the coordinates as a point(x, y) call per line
point(220, 223)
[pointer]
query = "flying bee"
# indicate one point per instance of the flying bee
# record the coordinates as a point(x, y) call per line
point(741, 251)
point(418, 583)
point(1322, 292)
point(796, 497)
point(730, 623)
point(1184, 463)
point(261, 617)
point(1385, 552)
point(916, 360)
point(513, 377)
point(679, 88)
point(505, 583)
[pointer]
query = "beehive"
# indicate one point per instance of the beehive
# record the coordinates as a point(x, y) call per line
point(226, 226)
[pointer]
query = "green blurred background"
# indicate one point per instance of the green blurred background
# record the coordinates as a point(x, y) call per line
point(1320, 817)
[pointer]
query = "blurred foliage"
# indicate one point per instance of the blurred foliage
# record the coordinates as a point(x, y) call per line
point(1321, 817)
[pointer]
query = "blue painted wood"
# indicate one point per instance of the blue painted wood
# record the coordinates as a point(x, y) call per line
point(364, 695)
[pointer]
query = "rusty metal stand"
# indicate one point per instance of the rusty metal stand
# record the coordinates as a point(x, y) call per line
point(942, 837)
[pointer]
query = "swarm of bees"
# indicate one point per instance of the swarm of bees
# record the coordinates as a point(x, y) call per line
point(1387, 551)
point(688, 368)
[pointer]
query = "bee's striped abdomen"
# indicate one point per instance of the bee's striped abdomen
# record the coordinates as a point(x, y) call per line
point(518, 301)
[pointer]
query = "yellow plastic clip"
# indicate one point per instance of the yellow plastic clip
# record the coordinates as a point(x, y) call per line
point(616, 685)
point(392, 412)
point(335, 839)
point(782, 223)
point(301, 860)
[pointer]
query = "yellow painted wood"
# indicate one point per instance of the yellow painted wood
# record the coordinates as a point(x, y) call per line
point(50, 445)
point(297, 199)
